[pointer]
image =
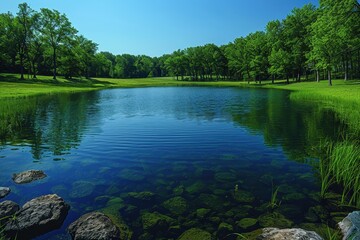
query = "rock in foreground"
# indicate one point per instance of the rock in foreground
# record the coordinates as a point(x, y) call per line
point(289, 234)
point(96, 226)
point(7, 209)
point(350, 226)
point(4, 191)
point(38, 216)
point(28, 176)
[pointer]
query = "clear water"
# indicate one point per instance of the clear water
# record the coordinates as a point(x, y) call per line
point(210, 146)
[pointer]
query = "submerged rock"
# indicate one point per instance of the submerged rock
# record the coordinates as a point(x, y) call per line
point(243, 196)
point(7, 209)
point(176, 205)
point(94, 225)
point(112, 211)
point(225, 177)
point(132, 175)
point(350, 226)
point(4, 191)
point(38, 216)
point(246, 223)
point(81, 189)
point(289, 234)
point(195, 234)
point(196, 188)
point(156, 222)
point(274, 220)
point(141, 196)
point(28, 176)
point(202, 212)
point(224, 229)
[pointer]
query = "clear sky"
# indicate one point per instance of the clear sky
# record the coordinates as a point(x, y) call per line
point(156, 27)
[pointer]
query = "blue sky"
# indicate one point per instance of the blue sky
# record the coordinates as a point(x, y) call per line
point(156, 27)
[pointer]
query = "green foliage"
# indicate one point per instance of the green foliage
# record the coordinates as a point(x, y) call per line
point(340, 164)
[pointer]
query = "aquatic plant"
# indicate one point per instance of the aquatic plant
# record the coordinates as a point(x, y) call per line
point(274, 203)
point(339, 164)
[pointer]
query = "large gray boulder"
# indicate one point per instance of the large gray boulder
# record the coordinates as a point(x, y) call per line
point(7, 210)
point(350, 226)
point(38, 216)
point(4, 191)
point(94, 226)
point(288, 234)
point(28, 176)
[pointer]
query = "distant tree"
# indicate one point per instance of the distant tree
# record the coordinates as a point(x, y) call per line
point(24, 27)
point(280, 63)
point(297, 36)
point(86, 50)
point(258, 52)
point(56, 30)
point(8, 42)
point(334, 34)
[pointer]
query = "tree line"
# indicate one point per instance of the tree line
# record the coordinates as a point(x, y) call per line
point(323, 42)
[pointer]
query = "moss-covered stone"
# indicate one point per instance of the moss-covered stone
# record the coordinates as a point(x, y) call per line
point(242, 211)
point(294, 196)
point(195, 234)
point(225, 177)
point(274, 220)
point(179, 190)
point(220, 192)
point(215, 220)
point(196, 187)
point(112, 210)
point(243, 196)
point(202, 212)
point(317, 213)
point(224, 229)
point(81, 189)
point(246, 223)
point(211, 201)
point(141, 196)
point(132, 175)
point(156, 221)
point(176, 205)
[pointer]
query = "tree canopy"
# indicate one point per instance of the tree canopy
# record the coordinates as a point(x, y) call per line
point(323, 41)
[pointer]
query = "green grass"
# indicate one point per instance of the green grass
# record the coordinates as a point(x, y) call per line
point(12, 86)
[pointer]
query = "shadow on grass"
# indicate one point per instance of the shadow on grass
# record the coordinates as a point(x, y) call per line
point(73, 82)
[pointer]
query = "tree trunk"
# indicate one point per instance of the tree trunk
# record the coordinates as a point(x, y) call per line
point(298, 76)
point(306, 75)
point(317, 75)
point(287, 79)
point(54, 62)
point(22, 67)
point(273, 79)
point(329, 77)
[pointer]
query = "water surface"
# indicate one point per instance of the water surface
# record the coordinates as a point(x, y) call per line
point(225, 150)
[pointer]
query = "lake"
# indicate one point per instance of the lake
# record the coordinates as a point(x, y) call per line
point(181, 157)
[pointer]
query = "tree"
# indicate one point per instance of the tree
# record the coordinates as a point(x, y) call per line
point(35, 45)
point(258, 53)
point(56, 30)
point(8, 42)
point(280, 56)
point(297, 36)
point(86, 50)
point(334, 33)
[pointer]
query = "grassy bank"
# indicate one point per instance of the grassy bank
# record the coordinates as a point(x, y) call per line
point(12, 86)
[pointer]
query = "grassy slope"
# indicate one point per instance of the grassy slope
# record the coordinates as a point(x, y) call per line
point(11, 86)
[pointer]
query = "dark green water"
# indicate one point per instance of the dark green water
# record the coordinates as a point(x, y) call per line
point(188, 157)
